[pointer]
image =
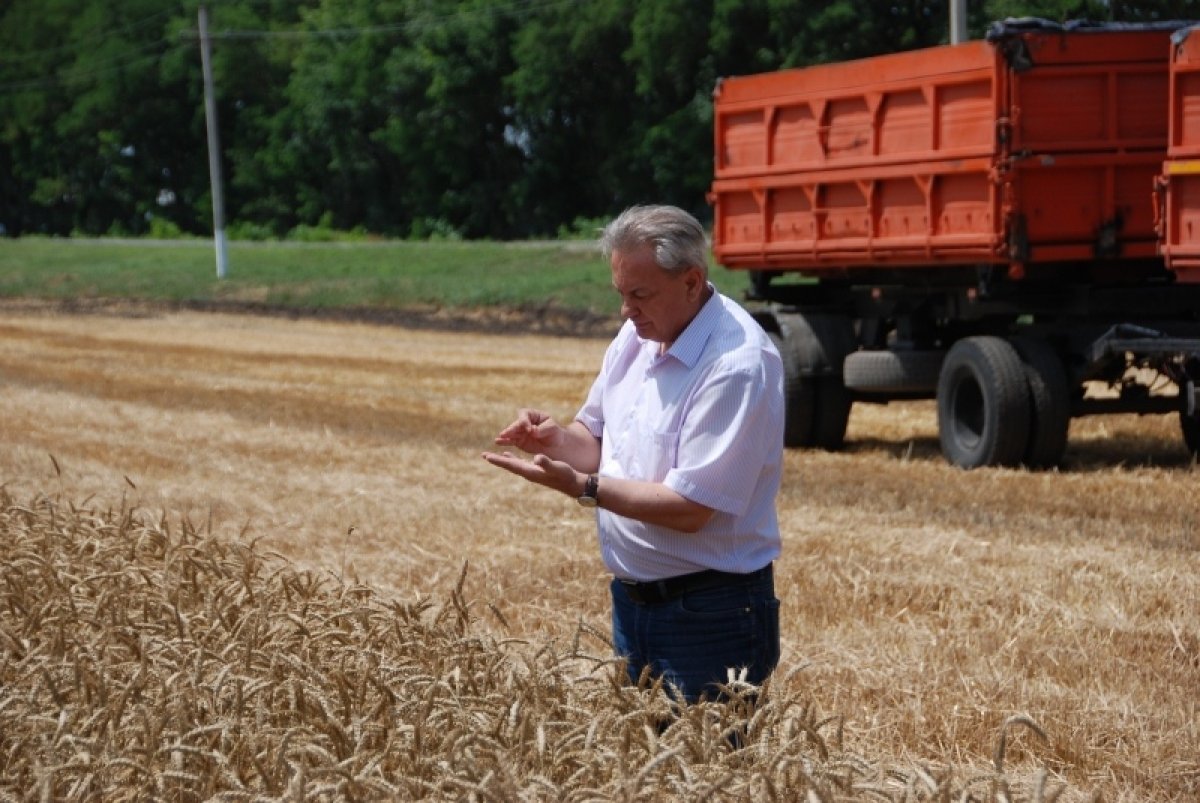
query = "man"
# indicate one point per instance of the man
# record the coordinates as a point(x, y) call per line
point(678, 448)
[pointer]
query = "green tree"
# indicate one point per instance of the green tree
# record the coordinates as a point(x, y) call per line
point(448, 122)
point(1096, 10)
point(90, 125)
point(252, 54)
point(673, 81)
point(478, 118)
point(396, 118)
point(837, 30)
point(573, 112)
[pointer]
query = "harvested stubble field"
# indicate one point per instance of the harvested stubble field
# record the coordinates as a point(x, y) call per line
point(256, 558)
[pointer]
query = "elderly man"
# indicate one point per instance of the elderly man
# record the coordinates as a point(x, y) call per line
point(678, 450)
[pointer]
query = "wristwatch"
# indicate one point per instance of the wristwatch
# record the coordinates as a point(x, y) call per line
point(591, 491)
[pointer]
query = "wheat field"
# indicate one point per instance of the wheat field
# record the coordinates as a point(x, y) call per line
point(256, 558)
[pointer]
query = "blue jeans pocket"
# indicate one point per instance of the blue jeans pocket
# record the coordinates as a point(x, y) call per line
point(716, 632)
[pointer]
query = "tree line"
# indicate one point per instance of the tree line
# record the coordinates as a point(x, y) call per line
point(407, 118)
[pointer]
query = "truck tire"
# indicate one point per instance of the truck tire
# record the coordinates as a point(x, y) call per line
point(893, 371)
point(833, 403)
point(1050, 402)
point(820, 344)
point(983, 404)
point(798, 397)
point(1190, 424)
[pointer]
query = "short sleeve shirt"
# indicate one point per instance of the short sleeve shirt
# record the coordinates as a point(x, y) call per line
point(706, 420)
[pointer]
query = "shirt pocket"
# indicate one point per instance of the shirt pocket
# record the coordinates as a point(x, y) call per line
point(657, 451)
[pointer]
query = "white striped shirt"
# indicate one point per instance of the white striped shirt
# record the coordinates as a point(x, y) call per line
point(706, 420)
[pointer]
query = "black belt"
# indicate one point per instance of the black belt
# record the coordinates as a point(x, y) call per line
point(654, 592)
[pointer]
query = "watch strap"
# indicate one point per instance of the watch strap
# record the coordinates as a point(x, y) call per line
point(591, 491)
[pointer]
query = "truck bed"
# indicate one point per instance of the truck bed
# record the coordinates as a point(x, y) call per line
point(1179, 188)
point(1037, 149)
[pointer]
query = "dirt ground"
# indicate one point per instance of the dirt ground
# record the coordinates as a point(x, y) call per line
point(922, 603)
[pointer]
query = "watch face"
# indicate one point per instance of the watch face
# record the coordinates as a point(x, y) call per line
point(587, 501)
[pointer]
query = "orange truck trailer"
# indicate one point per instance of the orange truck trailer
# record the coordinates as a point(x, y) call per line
point(1010, 226)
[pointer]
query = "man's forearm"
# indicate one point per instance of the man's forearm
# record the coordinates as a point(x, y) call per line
point(653, 503)
point(579, 448)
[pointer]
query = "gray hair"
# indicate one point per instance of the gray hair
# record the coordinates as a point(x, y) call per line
point(677, 238)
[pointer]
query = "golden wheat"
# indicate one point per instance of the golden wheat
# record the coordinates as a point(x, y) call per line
point(149, 659)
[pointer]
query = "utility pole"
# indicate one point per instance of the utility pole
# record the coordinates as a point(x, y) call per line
point(958, 21)
point(214, 146)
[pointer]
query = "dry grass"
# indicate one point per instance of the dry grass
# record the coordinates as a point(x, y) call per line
point(925, 607)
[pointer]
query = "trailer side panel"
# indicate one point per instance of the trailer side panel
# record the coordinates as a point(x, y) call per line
point(1040, 148)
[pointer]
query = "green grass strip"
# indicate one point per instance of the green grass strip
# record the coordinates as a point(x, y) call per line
point(379, 275)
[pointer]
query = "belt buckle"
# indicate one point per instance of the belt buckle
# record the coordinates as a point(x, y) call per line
point(631, 588)
point(640, 592)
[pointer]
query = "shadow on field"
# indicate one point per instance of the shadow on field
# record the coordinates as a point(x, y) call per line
point(907, 449)
point(1128, 451)
point(1082, 455)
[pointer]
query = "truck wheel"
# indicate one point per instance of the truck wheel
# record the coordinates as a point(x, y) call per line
point(833, 404)
point(983, 404)
point(818, 404)
point(893, 371)
point(820, 344)
point(1049, 398)
point(798, 397)
point(1190, 424)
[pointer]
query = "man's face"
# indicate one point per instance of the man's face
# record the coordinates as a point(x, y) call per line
point(660, 304)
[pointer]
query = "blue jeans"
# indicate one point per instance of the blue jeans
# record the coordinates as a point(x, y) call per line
point(692, 641)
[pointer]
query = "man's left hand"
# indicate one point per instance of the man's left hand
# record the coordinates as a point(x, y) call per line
point(542, 470)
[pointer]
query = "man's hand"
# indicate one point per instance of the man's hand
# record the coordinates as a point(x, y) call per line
point(651, 502)
point(533, 432)
point(542, 470)
point(562, 456)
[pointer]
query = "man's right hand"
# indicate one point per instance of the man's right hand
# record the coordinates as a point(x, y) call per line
point(533, 432)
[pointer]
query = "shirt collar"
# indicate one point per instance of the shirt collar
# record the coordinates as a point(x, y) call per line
point(690, 344)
